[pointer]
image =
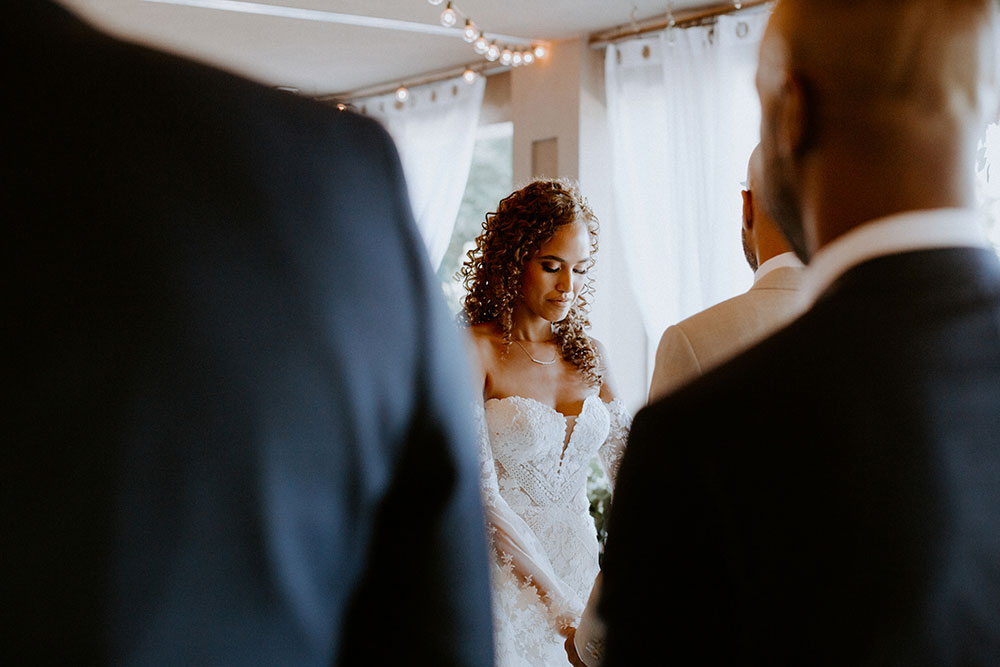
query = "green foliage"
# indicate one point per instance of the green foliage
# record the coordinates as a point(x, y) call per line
point(599, 495)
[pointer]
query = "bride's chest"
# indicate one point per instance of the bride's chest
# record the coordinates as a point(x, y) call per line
point(524, 431)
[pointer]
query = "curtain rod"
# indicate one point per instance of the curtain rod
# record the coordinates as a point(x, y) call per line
point(682, 18)
point(413, 82)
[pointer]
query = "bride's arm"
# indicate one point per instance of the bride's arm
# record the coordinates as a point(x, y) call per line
point(515, 543)
point(613, 448)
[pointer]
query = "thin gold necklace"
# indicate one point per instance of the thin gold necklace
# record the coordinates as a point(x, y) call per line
point(543, 363)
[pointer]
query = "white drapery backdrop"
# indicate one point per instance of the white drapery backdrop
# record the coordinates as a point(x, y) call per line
point(435, 133)
point(683, 118)
point(988, 182)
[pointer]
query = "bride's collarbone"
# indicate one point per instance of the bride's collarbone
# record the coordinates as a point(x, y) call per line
point(566, 400)
point(559, 386)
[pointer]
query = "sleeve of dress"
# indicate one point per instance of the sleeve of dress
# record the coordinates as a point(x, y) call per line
point(514, 541)
point(613, 449)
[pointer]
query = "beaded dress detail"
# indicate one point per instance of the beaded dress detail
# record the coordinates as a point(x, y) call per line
point(534, 463)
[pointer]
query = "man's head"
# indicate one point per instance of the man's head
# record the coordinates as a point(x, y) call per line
point(762, 239)
point(871, 107)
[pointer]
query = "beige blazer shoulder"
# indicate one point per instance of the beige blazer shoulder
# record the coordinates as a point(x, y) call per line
point(707, 339)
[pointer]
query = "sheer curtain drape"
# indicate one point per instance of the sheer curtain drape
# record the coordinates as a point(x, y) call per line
point(435, 133)
point(988, 182)
point(684, 117)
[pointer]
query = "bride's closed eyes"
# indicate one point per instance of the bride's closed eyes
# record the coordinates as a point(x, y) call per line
point(553, 268)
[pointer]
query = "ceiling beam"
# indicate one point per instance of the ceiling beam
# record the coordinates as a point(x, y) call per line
point(244, 7)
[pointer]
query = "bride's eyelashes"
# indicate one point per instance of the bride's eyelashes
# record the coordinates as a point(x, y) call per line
point(548, 268)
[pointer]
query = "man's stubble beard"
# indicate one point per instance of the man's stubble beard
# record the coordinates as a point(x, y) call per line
point(748, 252)
point(783, 202)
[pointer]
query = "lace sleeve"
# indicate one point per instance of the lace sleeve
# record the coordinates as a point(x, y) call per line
point(515, 543)
point(613, 449)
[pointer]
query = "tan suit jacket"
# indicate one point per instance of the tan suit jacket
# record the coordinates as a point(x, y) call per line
point(706, 339)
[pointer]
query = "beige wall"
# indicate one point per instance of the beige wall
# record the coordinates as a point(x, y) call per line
point(546, 105)
point(496, 100)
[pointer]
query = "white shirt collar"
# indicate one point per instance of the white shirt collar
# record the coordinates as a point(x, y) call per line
point(783, 260)
point(902, 232)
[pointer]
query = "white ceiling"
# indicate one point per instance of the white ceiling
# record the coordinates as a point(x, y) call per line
point(319, 57)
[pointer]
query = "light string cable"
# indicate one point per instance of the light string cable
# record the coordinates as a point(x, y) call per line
point(453, 17)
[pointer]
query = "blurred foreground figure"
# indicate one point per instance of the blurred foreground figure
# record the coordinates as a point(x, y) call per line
point(233, 437)
point(832, 496)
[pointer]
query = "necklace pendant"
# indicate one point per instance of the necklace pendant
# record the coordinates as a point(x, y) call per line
point(537, 361)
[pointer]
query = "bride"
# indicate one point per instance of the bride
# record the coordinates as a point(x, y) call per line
point(548, 409)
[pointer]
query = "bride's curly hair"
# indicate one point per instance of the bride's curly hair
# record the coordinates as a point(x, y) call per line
point(511, 236)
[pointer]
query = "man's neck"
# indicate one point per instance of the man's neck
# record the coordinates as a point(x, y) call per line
point(845, 187)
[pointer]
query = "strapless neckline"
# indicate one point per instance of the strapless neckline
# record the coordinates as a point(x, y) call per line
point(569, 422)
point(535, 401)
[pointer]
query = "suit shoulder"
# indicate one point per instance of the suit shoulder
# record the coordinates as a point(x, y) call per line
point(714, 313)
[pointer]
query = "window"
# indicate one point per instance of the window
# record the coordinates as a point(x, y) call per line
point(490, 180)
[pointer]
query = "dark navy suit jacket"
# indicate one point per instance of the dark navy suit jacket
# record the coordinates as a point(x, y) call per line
point(830, 497)
point(237, 431)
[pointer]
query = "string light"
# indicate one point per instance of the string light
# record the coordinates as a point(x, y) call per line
point(449, 17)
point(469, 75)
point(470, 32)
point(402, 94)
point(482, 45)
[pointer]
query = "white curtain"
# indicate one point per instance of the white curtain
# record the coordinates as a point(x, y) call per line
point(988, 182)
point(435, 133)
point(684, 117)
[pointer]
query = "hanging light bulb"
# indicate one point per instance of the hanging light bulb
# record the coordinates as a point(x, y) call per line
point(528, 57)
point(516, 59)
point(402, 94)
point(541, 51)
point(341, 106)
point(481, 45)
point(506, 56)
point(737, 4)
point(435, 2)
point(492, 52)
point(469, 75)
point(470, 32)
point(449, 17)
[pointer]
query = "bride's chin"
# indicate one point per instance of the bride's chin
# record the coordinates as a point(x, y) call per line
point(558, 313)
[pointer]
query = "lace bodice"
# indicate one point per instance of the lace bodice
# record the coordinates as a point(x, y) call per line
point(529, 441)
point(534, 465)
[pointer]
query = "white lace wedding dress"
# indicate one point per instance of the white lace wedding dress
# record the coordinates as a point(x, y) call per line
point(534, 466)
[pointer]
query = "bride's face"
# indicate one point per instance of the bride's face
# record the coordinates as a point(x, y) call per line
point(553, 278)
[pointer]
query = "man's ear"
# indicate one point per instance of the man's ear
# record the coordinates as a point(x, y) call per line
point(793, 116)
point(747, 209)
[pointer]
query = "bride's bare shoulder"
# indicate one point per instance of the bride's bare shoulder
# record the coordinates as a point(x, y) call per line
point(487, 342)
point(486, 335)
